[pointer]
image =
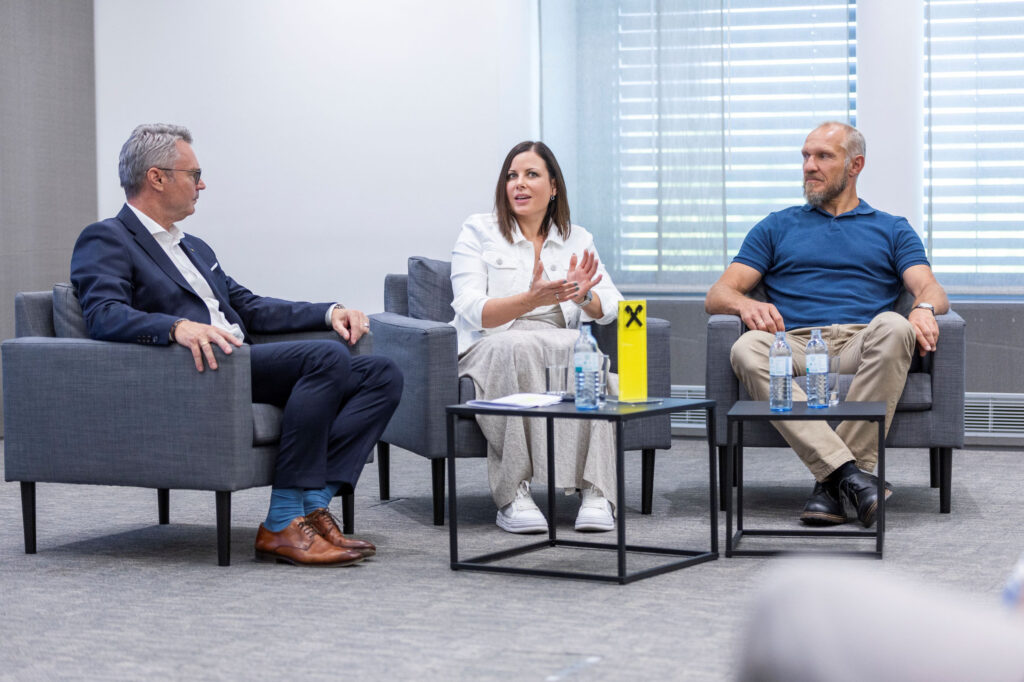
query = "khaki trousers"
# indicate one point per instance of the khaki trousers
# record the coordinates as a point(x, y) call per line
point(878, 354)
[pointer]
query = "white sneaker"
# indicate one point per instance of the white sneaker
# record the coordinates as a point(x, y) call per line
point(595, 512)
point(522, 514)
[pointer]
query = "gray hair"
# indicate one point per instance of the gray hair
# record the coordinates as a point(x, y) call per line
point(150, 145)
point(853, 142)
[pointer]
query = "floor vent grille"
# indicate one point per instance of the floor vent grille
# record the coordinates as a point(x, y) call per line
point(997, 415)
point(691, 422)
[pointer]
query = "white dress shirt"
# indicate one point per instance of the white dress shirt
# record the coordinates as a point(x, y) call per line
point(486, 266)
point(170, 242)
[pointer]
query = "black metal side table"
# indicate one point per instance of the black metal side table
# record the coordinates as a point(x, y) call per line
point(752, 410)
point(617, 413)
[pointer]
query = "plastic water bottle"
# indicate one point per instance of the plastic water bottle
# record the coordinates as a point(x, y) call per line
point(587, 360)
point(780, 369)
point(817, 371)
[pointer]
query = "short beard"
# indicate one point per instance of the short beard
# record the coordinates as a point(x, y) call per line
point(831, 191)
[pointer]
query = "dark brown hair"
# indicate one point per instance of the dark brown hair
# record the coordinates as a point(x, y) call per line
point(558, 210)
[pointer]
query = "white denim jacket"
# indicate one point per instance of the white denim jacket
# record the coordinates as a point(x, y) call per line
point(485, 266)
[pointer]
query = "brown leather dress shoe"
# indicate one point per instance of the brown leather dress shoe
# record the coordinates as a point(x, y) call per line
point(325, 524)
point(301, 545)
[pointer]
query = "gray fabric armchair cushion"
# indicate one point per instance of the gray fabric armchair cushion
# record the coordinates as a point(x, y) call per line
point(430, 290)
point(33, 313)
point(396, 294)
point(68, 321)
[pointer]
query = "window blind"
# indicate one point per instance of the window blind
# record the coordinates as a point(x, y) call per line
point(974, 126)
point(690, 115)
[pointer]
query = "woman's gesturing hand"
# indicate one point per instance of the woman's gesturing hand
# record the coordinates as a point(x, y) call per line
point(544, 292)
point(583, 273)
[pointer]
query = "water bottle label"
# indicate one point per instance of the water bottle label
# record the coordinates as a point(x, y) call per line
point(817, 364)
point(587, 362)
point(780, 366)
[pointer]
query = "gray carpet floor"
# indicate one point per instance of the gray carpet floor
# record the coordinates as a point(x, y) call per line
point(111, 595)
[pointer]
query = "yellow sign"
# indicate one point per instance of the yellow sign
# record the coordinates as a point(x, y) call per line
point(633, 350)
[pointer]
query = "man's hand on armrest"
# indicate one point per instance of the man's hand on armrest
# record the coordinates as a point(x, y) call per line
point(920, 281)
point(199, 337)
point(350, 324)
point(728, 296)
point(926, 329)
point(761, 316)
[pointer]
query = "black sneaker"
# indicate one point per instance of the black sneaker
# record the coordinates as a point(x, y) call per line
point(824, 507)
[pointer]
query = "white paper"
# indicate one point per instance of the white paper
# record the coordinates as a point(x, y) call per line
point(523, 400)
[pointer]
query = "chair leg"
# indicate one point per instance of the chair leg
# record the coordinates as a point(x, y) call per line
point(437, 476)
point(946, 479)
point(163, 505)
point(28, 514)
point(223, 527)
point(933, 467)
point(647, 481)
point(348, 512)
point(384, 469)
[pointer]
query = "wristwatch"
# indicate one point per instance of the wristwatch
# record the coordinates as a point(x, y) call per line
point(927, 306)
point(586, 300)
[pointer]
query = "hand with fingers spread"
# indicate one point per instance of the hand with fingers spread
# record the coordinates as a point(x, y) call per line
point(200, 338)
point(584, 273)
point(544, 292)
point(350, 324)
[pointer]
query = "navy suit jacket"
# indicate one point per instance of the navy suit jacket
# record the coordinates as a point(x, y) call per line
point(131, 291)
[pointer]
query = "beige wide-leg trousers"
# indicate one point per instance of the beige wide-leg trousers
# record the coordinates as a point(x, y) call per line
point(878, 353)
point(513, 362)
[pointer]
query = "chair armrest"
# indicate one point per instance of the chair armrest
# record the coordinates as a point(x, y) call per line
point(427, 353)
point(720, 382)
point(364, 346)
point(948, 369)
point(84, 411)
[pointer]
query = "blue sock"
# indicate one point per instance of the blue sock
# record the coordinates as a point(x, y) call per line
point(319, 497)
point(285, 505)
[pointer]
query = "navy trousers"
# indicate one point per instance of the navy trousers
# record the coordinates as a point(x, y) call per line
point(335, 408)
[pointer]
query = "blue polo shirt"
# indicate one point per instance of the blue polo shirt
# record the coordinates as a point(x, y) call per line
point(819, 269)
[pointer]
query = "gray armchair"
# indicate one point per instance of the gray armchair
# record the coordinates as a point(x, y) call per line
point(95, 412)
point(414, 331)
point(930, 413)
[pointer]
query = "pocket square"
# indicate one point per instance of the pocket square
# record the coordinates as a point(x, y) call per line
point(215, 266)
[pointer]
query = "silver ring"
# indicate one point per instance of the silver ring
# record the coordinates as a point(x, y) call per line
point(366, 326)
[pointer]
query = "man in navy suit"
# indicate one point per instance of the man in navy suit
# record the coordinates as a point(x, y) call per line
point(140, 279)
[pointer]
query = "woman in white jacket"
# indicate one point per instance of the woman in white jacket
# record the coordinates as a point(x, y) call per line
point(524, 279)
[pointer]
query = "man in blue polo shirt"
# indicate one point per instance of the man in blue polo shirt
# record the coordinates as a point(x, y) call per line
point(836, 264)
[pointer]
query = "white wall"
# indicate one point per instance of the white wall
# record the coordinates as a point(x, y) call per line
point(890, 105)
point(336, 138)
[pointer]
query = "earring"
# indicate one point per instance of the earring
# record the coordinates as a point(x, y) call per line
point(552, 197)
